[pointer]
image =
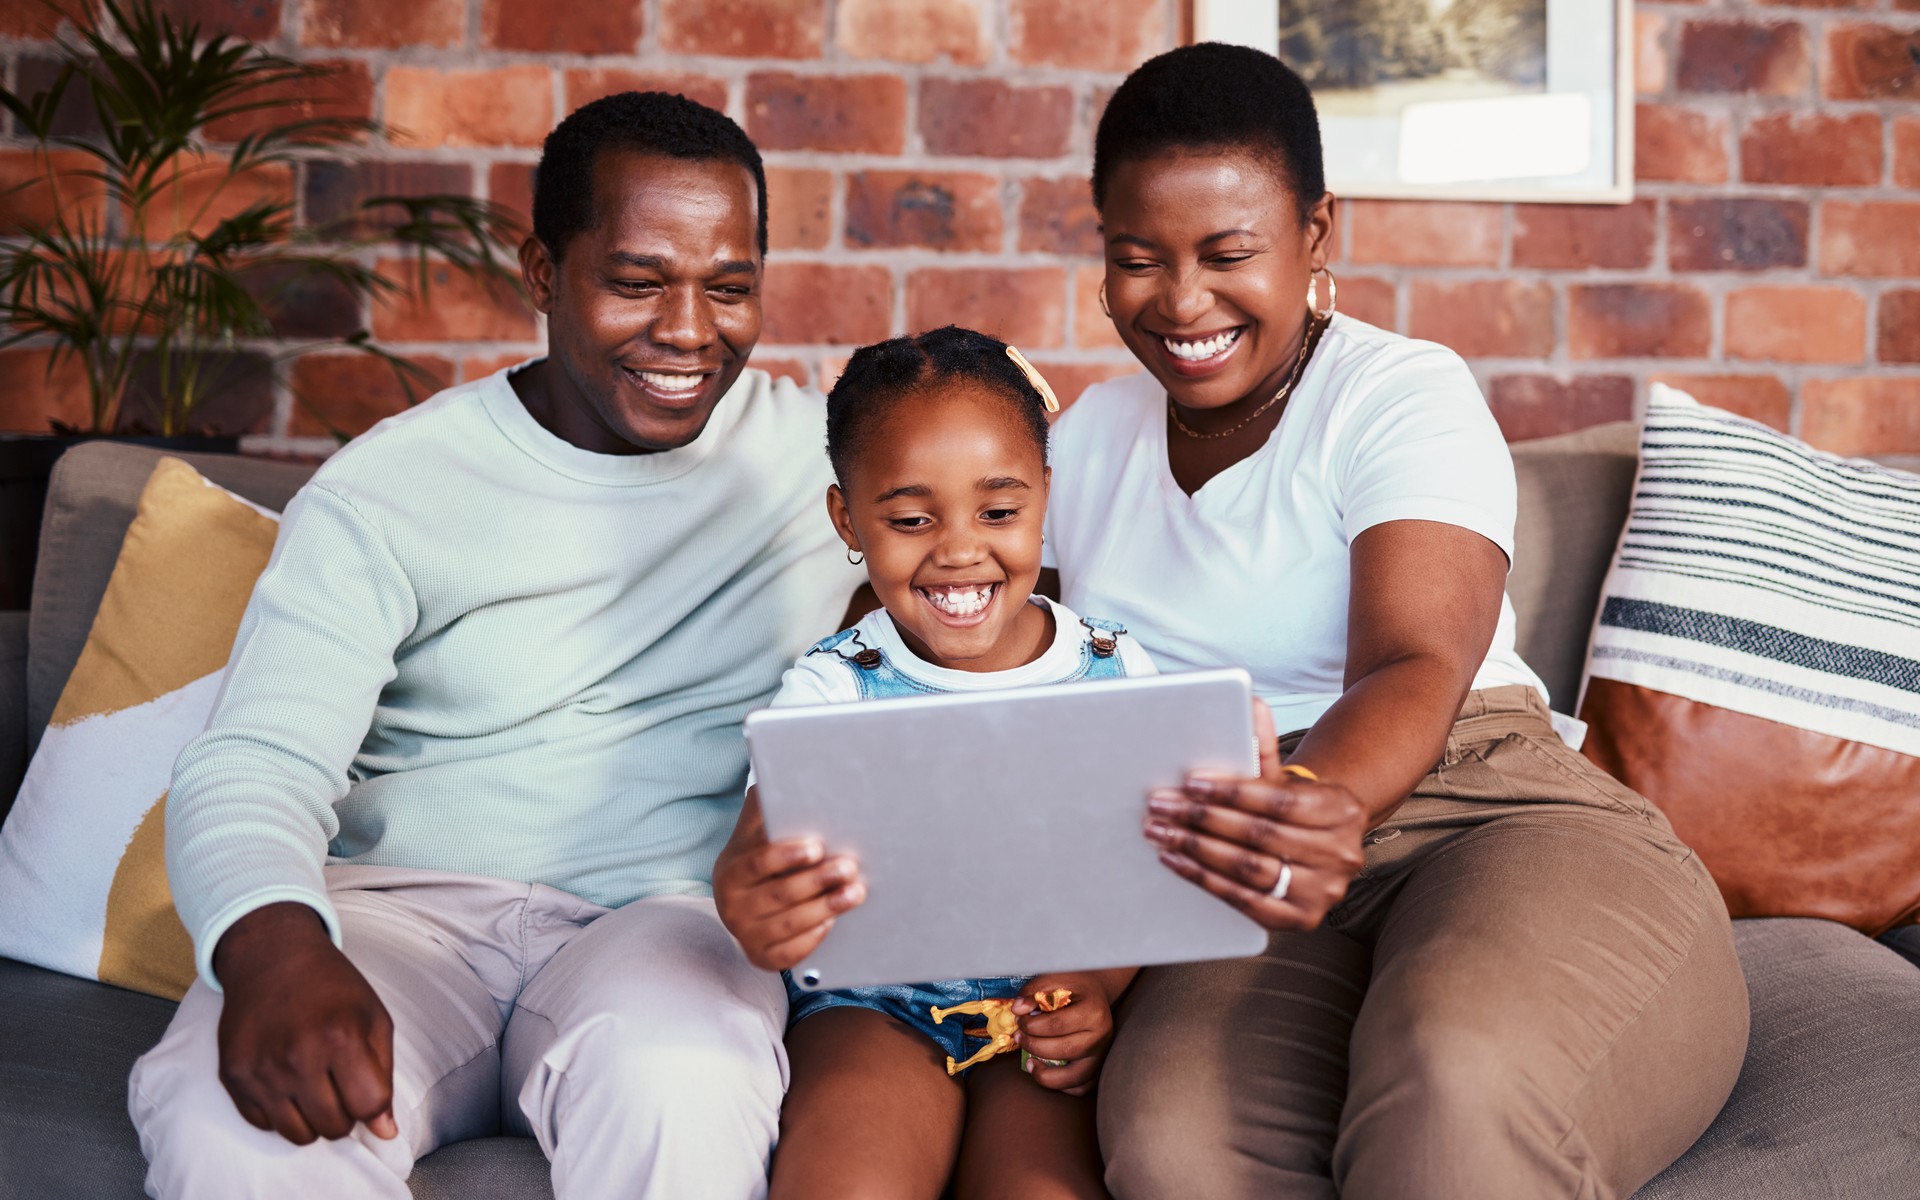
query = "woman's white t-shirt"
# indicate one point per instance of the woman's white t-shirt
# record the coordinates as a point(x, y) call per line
point(1252, 570)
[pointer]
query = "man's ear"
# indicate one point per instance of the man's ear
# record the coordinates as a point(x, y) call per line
point(537, 271)
point(842, 518)
point(1320, 230)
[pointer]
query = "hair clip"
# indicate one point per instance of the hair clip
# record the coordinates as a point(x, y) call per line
point(1048, 400)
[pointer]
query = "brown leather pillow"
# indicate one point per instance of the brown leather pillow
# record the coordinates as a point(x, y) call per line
point(1755, 665)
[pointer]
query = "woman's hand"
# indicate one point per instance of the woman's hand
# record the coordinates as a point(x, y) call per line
point(1077, 1035)
point(779, 899)
point(1235, 837)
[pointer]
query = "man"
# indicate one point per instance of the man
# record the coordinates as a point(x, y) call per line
point(493, 680)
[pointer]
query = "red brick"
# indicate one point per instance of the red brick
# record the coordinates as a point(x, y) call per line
point(1484, 318)
point(913, 30)
point(510, 189)
point(1369, 300)
point(1797, 324)
point(784, 368)
point(1537, 406)
point(508, 106)
point(1872, 62)
point(75, 115)
point(1070, 380)
point(34, 187)
point(1900, 327)
point(335, 192)
point(479, 366)
point(32, 396)
point(382, 23)
point(1057, 217)
point(36, 19)
point(1092, 328)
point(941, 210)
point(587, 84)
point(455, 308)
point(832, 366)
point(1771, 58)
point(1026, 306)
point(1679, 145)
point(1762, 398)
point(344, 395)
point(200, 194)
point(1638, 320)
point(1863, 415)
point(1651, 64)
point(744, 28)
point(852, 114)
point(345, 92)
point(1817, 149)
point(255, 20)
point(1576, 236)
point(1092, 35)
point(605, 27)
point(306, 304)
point(991, 118)
point(822, 304)
point(1906, 152)
point(1870, 237)
point(1419, 233)
point(1736, 234)
point(799, 208)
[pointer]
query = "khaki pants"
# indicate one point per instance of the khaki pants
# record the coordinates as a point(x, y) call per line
point(637, 1045)
point(1530, 991)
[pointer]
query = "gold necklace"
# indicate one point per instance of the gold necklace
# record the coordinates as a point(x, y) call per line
point(1315, 326)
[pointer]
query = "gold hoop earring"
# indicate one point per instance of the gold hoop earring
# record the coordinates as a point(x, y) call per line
point(1103, 300)
point(1313, 295)
point(856, 561)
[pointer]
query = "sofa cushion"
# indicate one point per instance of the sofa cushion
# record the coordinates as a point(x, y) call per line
point(1828, 1100)
point(1573, 500)
point(1755, 668)
point(91, 500)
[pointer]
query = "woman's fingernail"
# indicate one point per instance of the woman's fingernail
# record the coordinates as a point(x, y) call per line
point(1164, 803)
point(1158, 831)
point(1207, 785)
point(1178, 862)
point(1028, 1065)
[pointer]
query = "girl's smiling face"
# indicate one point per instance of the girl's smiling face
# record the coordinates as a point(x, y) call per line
point(946, 498)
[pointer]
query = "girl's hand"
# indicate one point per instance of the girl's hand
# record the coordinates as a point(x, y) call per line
point(779, 899)
point(1077, 1035)
point(1234, 836)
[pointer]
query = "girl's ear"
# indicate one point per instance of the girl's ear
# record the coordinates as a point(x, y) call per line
point(1046, 483)
point(1320, 230)
point(841, 517)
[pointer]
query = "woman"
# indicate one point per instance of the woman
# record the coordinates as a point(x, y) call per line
point(1529, 989)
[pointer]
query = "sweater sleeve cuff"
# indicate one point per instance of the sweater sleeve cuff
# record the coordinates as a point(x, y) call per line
point(225, 919)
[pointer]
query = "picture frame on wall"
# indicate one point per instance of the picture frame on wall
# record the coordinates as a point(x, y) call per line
point(1528, 100)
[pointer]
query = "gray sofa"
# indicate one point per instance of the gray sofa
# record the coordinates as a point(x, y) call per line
point(1827, 1106)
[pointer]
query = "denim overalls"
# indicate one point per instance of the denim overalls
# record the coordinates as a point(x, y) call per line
point(879, 679)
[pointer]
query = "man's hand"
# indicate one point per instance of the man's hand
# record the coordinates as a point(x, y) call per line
point(1077, 1035)
point(779, 899)
point(306, 1047)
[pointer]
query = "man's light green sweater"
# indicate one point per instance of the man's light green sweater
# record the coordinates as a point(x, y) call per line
point(478, 648)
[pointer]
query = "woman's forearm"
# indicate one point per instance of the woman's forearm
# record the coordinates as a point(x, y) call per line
point(1386, 733)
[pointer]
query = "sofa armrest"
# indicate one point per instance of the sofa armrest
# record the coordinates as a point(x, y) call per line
point(13, 706)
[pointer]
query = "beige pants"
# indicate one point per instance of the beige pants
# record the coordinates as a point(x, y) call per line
point(638, 1046)
point(1530, 992)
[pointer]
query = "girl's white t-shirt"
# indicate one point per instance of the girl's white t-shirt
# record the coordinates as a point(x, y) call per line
point(1252, 570)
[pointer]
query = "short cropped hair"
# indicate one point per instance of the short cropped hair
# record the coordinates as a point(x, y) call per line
point(640, 122)
point(1213, 96)
point(879, 376)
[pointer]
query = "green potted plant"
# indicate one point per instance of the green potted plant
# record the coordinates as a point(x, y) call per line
point(154, 259)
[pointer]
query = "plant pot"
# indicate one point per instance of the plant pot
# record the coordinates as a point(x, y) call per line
point(26, 464)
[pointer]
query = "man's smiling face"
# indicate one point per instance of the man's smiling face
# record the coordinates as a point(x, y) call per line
point(652, 309)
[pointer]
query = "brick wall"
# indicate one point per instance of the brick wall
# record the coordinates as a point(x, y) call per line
point(927, 160)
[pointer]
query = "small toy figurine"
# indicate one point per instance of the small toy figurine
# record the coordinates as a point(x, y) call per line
point(1001, 1025)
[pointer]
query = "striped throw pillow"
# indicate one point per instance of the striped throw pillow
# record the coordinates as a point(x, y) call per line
point(1755, 665)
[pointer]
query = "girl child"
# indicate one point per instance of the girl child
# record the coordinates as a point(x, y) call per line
point(939, 446)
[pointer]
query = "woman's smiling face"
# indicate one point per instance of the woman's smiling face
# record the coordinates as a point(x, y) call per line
point(1208, 262)
point(946, 497)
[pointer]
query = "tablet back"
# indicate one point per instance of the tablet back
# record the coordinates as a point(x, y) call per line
point(1000, 832)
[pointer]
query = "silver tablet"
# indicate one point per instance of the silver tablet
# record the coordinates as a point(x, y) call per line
point(1000, 831)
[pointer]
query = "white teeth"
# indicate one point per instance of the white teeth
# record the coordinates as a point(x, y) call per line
point(1199, 351)
point(960, 602)
point(671, 383)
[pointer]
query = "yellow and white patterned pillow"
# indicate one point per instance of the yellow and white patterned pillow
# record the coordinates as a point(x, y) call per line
point(83, 875)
